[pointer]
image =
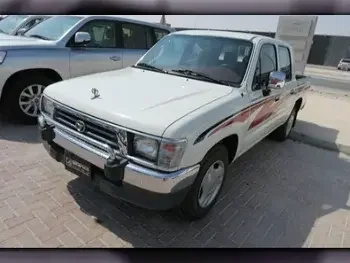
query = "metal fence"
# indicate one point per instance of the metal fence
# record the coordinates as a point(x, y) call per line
point(325, 50)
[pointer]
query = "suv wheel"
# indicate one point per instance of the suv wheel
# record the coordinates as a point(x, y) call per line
point(22, 98)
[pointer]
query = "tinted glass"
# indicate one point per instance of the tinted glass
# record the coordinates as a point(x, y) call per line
point(285, 62)
point(134, 36)
point(159, 33)
point(268, 59)
point(267, 63)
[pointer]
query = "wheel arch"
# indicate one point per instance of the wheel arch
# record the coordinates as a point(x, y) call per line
point(50, 73)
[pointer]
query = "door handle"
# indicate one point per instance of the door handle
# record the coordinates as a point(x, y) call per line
point(115, 58)
point(292, 91)
point(277, 98)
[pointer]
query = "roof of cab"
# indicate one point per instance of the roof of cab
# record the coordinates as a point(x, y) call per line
point(222, 33)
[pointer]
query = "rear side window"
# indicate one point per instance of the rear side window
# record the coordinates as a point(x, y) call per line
point(135, 36)
point(159, 33)
point(285, 62)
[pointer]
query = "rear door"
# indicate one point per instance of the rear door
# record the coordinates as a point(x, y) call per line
point(102, 53)
point(137, 40)
point(287, 99)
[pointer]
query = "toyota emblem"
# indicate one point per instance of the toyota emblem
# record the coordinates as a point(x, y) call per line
point(80, 126)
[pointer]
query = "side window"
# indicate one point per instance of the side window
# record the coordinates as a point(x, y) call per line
point(285, 62)
point(267, 63)
point(134, 36)
point(103, 33)
point(149, 37)
point(159, 33)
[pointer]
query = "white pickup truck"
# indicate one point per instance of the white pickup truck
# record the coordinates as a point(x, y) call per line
point(161, 134)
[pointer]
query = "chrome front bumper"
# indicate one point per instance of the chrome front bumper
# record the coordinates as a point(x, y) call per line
point(134, 174)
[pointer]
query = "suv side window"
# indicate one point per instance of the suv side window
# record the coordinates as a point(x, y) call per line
point(285, 64)
point(267, 63)
point(159, 34)
point(135, 36)
point(103, 33)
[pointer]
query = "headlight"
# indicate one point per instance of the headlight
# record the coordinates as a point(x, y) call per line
point(171, 153)
point(2, 56)
point(47, 106)
point(146, 147)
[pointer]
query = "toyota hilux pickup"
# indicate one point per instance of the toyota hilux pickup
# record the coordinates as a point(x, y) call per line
point(161, 133)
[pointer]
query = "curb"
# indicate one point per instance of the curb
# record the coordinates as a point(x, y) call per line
point(331, 146)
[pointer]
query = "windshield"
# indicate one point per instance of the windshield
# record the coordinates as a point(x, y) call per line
point(222, 59)
point(345, 60)
point(10, 23)
point(53, 28)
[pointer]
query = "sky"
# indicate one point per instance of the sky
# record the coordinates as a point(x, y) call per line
point(326, 25)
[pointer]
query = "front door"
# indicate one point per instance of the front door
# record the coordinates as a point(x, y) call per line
point(263, 104)
point(101, 54)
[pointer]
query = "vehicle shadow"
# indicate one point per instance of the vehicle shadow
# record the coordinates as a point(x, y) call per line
point(276, 195)
point(13, 132)
point(316, 135)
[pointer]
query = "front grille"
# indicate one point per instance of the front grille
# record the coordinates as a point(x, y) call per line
point(100, 133)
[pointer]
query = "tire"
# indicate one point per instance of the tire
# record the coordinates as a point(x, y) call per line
point(282, 132)
point(191, 209)
point(11, 108)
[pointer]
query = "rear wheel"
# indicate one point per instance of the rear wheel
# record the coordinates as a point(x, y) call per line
point(282, 132)
point(207, 186)
point(21, 99)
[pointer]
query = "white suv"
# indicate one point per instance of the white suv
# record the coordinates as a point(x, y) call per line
point(344, 64)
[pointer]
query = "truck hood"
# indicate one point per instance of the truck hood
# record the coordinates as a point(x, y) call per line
point(16, 42)
point(137, 99)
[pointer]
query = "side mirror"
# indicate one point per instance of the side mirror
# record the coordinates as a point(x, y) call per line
point(277, 80)
point(21, 31)
point(82, 38)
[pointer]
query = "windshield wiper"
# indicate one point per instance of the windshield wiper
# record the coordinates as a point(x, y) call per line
point(190, 72)
point(148, 66)
point(2, 31)
point(40, 37)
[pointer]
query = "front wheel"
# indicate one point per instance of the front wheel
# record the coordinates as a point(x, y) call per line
point(207, 186)
point(22, 98)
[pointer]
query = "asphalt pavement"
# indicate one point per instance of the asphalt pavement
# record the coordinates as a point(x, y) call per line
point(339, 87)
point(329, 80)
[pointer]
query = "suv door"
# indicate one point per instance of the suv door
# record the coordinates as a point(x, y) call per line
point(102, 53)
point(264, 113)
